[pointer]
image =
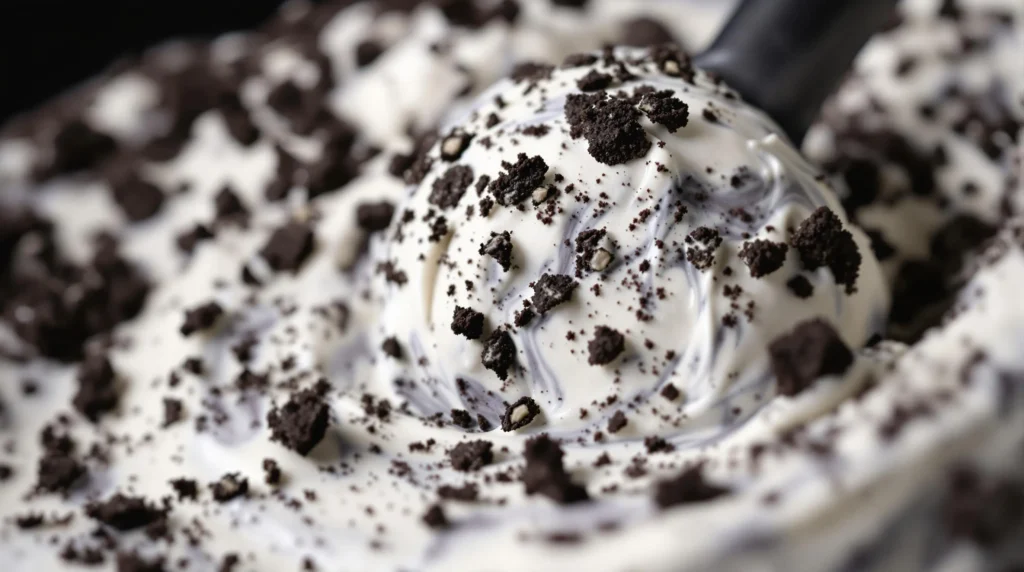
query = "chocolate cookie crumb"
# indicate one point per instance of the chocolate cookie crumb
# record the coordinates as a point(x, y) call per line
point(519, 180)
point(124, 512)
point(228, 207)
point(800, 286)
point(763, 257)
point(301, 422)
point(519, 414)
point(97, 388)
point(530, 71)
point(689, 487)
point(499, 247)
point(468, 322)
point(435, 518)
point(187, 241)
point(610, 125)
point(578, 60)
point(462, 418)
point(391, 347)
point(704, 241)
point(230, 486)
point(617, 422)
point(670, 392)
point(499, 353)
point(594, 81)
point(545, 473)
point(133, 562)
point(664, 108)
point(271, 472)
point(374, 216)
point(822, 241)
point(812, 349)
point(59, 472)
point(606, 345)
point(200, 318)
point(471, 455)
point(551, 290)
point(454, 145)
point(173, 411)
point(289, 246)
point(466, 493)
point(186, 489)
point(448, 189)
point(138, 198)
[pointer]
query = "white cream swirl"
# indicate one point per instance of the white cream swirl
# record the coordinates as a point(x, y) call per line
point(704, 331)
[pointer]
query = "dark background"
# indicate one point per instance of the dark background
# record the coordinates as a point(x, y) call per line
point(47, 46)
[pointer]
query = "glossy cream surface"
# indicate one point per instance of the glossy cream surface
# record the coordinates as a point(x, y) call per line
point(839, 477)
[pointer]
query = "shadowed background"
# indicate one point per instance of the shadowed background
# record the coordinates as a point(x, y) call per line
point(47, 46)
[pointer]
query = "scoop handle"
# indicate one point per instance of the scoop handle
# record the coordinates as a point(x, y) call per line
point(788, 56)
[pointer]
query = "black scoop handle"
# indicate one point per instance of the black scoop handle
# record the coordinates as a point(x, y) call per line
point(788, 56)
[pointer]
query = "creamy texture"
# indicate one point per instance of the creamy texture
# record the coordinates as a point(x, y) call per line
point(703, 330)
point(857, 472)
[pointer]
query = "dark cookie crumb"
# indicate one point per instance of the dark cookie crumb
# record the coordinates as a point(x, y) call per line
point(471, 455)
point(763, 257)
point(173, 411)
point(664, 108)
point(545, 473)
point(606, 345)
point(519, 180)
point(271, 472)
point(594, 81)
point(186, 489)
point(300, 423)
point(531, 71)
point(689, 487)
point(468, 322)
point(617, 422)
point(462, 418)
point(655, 444)
point(200, 318)
point(499, 353)
point(454, 145)
point(822, 241)
point(499, 247)
point(610, 125)
point(519, 414)
point(289, 246)
point(59, 472)
point(124, 512)
point(551, 290)
point(670, 392)
point(374, 216)
point(133, 562)
point(812, 349)
point(230, 486)
point(97, 388)
point(800, 286)
point(435, 518)
point(138, 198)
point(187, 241)
point(391, 347)
point(704, 242)
point(466, 493)
point(448, 189)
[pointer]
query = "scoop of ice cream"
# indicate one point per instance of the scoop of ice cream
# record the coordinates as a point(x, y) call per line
point(620, 233)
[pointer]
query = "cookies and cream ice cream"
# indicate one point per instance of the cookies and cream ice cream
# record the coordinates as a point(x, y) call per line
point(594, 235)
point(317, 297)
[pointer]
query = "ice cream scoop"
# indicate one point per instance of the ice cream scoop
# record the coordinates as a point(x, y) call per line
point(787, 56)
point(606, 250)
